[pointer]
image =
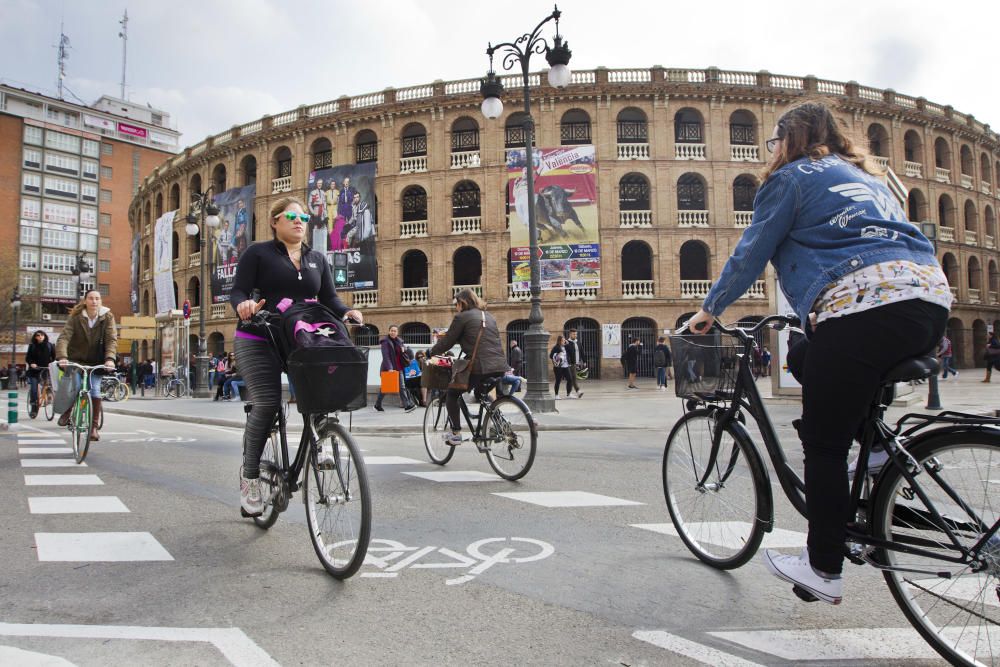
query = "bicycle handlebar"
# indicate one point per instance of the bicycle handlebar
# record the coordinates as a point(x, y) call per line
point(88, 369)
point(739, 332)
point(264, 317)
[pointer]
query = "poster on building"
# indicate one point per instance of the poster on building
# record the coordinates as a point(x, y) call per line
point(232, 237)
point(611, 340)
point(565, 203)
point(134, 274)
point(344, 220)
point(163, 274)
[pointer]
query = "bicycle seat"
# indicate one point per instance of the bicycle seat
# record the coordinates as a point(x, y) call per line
point(915, 368)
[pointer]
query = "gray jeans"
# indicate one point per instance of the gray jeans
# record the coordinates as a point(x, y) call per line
point(261, 370)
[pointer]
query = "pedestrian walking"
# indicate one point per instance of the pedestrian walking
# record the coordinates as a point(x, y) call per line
point(946, 353)
point(576, 359)
point(992, 355)
point(631, 361)
point(395, 358)
point(765, 360)
point(515, 358)
point(661, 359)
point(560, 365)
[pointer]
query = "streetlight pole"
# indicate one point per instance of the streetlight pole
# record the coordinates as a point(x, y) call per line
point(15, 305)
point(519, 52)
point(208, 217)
point(929, 229)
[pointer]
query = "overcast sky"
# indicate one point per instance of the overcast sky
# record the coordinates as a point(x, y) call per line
point(215, 63)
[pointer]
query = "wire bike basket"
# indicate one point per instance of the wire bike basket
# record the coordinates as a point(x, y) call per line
point(705, 365)
point(329, 379)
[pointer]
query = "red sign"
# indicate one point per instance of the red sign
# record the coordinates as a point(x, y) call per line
point(132, 130)
point(187, 309)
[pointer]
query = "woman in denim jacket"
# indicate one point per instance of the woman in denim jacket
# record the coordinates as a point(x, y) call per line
point(868, 289)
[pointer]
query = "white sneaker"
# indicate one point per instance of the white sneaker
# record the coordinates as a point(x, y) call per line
point(571, 396)
point(558, 397)
point(324, 455)
point(251, 502)
point(796, 570)
point(452, 439)
point(579, 394)
point(876, 459)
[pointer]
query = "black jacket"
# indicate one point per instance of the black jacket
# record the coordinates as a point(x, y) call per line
point(41, 354)
point(574, 353)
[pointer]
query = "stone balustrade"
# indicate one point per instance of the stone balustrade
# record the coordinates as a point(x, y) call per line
point(413, 296)
point(946, 234)
point(692, 218)
point(145, 229)
point(882, 162)
point(413, 165)
point(515, 292)
point(971, 237)
point(974, 295)
point(220, 311)
point(756, 291)
point(412, 229)
point(195, 313)
point(695, 289)
point(633, 151)
point(146, 274)
point(629, 219)
point(283, 184)
point(581, 293)
point(364, 298)
point(689, 151)
point(175, 264)
point(984, 187)
point(478, 289)
point(966, 181)
point(990, 242)
point(913, 169)
point(994, 297)
point(464, 159)
point(942, 175)
point(194, 259)
point(742, 218)
point(637, 289)
point(470, 225)
point(742, 153)
point(954, 291)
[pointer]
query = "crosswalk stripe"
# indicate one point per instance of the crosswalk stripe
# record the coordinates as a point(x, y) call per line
point(44, 450)
point(51, 463)
point(689, 649)
point(566, 499)
point(76, 505)
point(62, 480)
point(866, 644)
point(99, 547)
point(728, 534)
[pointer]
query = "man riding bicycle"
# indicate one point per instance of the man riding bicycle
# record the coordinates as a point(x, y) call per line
point(41, 352)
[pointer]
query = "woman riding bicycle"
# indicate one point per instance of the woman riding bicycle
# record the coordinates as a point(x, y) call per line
point(490, 360)
point(284, 267)
point(89, 338)
point(40, 354)
point(870, 293)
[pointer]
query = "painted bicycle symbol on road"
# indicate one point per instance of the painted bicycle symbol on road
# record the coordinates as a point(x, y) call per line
point(391, 557)
point(155, 438)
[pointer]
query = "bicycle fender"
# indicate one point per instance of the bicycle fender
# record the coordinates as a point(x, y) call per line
point(914, 442)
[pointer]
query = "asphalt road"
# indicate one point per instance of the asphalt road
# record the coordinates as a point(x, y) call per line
point(457, 573)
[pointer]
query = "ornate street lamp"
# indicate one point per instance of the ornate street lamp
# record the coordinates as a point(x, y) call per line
point(519, 52)
point(207, 217)
point(15, 305)
point(82, 272)
point(929, 229)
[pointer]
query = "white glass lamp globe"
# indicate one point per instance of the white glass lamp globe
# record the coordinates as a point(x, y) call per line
point(559, 76)
point(212, 221)
point(191, 229)
point(492, 107)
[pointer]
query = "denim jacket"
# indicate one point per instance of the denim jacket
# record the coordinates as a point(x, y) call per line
point(816, 221)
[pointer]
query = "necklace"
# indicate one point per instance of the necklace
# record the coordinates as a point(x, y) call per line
point(298, 256)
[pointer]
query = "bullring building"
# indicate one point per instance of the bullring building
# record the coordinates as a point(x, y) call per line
point(676, 157)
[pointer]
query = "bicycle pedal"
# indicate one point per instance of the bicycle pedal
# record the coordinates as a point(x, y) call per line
point(248, 515)
point(803, 594)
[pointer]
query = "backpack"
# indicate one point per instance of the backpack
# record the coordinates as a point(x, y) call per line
point(659, 359)
point(310, 324)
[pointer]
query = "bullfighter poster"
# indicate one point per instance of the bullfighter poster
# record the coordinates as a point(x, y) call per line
point(163, 271)
point(565, 201)
point(344, 221)
point(232, 237)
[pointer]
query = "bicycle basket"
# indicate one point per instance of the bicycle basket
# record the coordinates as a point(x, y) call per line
point(705, 365)
point(435, 377)
point(329, 379)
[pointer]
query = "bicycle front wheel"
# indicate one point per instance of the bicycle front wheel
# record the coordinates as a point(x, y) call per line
point(272, 470)
point(45, 398)
point(338, 504)
point(435, 428)
point(122, 392)
point(81, 427)
point(952, 605)
point(721, 520)
point(510, 436)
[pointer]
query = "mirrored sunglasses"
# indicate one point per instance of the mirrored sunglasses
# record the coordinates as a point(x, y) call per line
point(291, 215)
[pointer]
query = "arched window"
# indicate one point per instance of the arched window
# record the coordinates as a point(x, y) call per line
point(176, 301)
point(415, 333)
point(942, 153)
point(219, 178)
point(145, 304)
point(971, 216)
point(994, 280)
point(574, 129)
point(366, 335)
point(878, 140)
point(513, 131)
point(742, 128)
point(216, 343)
point(991, 222)
point(689, 127)
point(632, 126)
point(913, 147)
point(194, 185)
point(466, 267)
point(633, 193)
point(159, 205)
point(414, 204)
point(694, 261)
point(414, 269)
point(968, 163)
point(916, 205)
point(175, 197)
point(515, 331)
point(194, 243)
point(985, 170)
point(414, 140)
point(691, 192)
point(975, 273)
point(465, 200)
point(637, 261)
point(175, 246)
point(248, 169)
point(194, 292)
point(946, 211)
point(147, 214)
point(322, 153)
point(744, 191)
point(283, 162)
point(464, 135)
point(950, 267)
point(146, 263)
point(365, 147)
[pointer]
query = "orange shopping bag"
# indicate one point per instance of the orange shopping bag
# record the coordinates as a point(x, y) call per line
point(390, 382)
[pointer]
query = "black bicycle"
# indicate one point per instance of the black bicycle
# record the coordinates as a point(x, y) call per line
point(926, 519)
point(504, 430)
point(336, 495)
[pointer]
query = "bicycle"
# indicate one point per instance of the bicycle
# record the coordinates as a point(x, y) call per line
point(337, 498)
point(44, 396)
point(925, 519)
point(175, 387)
point(80, 417)
point(504, 431)
point(114, 389)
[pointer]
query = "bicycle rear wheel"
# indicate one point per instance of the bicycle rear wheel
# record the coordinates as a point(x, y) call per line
point(271, 473)
point(45, 398)
point(338, 504)
point(80, 426)
point(722, 520)
point(510, 435)
point(955, 611)
point(122, 392)
point(435, 428)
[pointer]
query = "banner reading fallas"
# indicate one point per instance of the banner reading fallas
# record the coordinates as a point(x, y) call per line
point(232, 237)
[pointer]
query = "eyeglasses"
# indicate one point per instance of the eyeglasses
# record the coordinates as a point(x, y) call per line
point(291, 215)
point(772, 143)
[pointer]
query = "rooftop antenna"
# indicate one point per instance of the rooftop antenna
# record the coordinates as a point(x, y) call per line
point(62, 58)
point(124, 35)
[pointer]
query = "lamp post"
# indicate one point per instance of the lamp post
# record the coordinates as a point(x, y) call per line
point(82, 272)
point(514, 53)
point(929, 229)
point(207, 217)
point(15, 305)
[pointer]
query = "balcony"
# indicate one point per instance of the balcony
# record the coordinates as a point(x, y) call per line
point(413, 165)
point(954, 291)
point(742, 218)
point(470, 225)
point(689, 151)
point(630, 219)
point(219, 311)
point(946, 234)
point(195, 310)
point(985, 188)
point(175, 264)
point(633, 151)
point(974, 295)
point(913, 169)
point(194, 259)
point(364, 298)
point(413, 296)
point(517, 293)
point(994, 297)
point(990, 242)
point(882, 162)
point(283, 184)
point(465, 159)
point(581, 293)
point(637, 289)
point(692, 218)
point(412, 229)
point(942, 175)
point(478, 289)
point(971, 237)
point(744, 153)
point(145, 229)
point(966, 181)
point(695, 289)
point(756, 291)
point(146, 274)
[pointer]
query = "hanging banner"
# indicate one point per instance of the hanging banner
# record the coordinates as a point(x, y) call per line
point(163, 273)
point(565, 202)
point(134, 275)
point(344, 212)
point(232, 237)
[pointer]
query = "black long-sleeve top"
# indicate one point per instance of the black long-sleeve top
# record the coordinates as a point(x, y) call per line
point(265, 266)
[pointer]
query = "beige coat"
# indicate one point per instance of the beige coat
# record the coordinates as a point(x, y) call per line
point(81, 344)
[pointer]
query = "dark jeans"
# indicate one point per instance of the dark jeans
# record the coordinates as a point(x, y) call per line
point(563, 374)
point(32, 389)
point(451, 400)
point(840, 368)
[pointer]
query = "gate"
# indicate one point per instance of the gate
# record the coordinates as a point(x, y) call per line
point(644, 329)
point(588, 337)
point(515, 331)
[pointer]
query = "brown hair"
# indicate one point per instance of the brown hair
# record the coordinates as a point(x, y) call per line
point(468, 299)
point(810, 130)
point(279, 207)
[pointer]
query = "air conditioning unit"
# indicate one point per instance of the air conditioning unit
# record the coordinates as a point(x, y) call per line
point(46, 317)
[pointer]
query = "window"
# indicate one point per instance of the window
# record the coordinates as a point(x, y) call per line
point(103, 265)
point(88, 242)
point(88, 192)
point(284, 168)
point(63, 214)
point(157, 119)
point(31, 182)
point(104, 243)
point(105, 219)
point(30, 235)
point(29, 258)
point(90, 169)
point(91, 148)
point(105, 172)
point(32, 158)
point(62, 142)
point(62, 164)
point(56, 286)
point(32, 135)
point(107, 149)
point(106, 196)
point(55, 238)
point(29, 283)
point(104, 289)
point(31, 209)
point(88, 217)
point(62, 187)
point(58, 262)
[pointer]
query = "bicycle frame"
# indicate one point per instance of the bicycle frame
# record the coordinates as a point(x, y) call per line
point(484, 404)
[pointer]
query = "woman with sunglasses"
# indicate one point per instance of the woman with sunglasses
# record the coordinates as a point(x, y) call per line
point(281, 268)
point(869, 291)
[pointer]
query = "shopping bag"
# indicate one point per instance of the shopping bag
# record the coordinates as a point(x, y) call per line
point(390, 382)
point(65, 387)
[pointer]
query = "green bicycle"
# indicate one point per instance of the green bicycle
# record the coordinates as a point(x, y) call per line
point(83, 408)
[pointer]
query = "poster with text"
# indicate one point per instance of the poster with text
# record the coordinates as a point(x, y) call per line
point(163, 272)
point(344, 221)
point(232, 237)
point(565, 203)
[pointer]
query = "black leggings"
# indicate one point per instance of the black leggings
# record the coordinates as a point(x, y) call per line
point(563, 374)
point(451, 400)
point(840, 367)
point(261, 371)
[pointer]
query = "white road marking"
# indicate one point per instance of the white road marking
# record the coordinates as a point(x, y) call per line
point(139, 430)
point(39, 441)
point(45, 450)
point(389, 460)
point(233, 643)
point(35, 434)
point(727, 534)
point(968, 588)
point(51, 463)
point(456, 476)
point(99, 547)
point(689, 649)
point(867, 644)
point(566, 499)
point(76, 505)
point(62, 480)
point(10, 655)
